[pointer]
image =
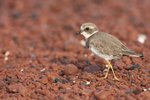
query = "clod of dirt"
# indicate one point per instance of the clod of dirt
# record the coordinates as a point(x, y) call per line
point(70, 69)
point(104, 95)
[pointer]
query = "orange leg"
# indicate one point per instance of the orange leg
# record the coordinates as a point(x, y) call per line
point(110, 67)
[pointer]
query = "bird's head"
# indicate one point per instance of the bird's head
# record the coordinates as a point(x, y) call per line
point(88, 29)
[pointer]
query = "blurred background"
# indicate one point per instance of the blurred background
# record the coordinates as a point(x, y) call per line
point(62, 18)
point(37, 41)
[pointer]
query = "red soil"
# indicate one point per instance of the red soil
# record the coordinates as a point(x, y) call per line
point(41, 58)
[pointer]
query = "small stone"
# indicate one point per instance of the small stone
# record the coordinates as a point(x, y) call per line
point(52, 75)
point(55, 80)
point(23, 90)
point(92, 69)
point(22, 70)
point(135, 91)
point(129, 97)
point(6, 55)
point(17, 88)
point(13, 89)
point(132, 67)
point(137, 61)
point(144, 95)
point(87, 92)
point(104, 95)
point(74, 81)
point(70, 69)
point(42, 70)
point(141, 38)
point(119, 64)
point(88, 76)
point(85, 83)
point(88, 83)
point(44, 80)
point(144, 90)
point(127, 60)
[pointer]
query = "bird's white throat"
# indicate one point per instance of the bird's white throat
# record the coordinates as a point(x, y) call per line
point(86, 35)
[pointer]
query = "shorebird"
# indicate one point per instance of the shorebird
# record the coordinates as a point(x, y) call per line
point(105, 45)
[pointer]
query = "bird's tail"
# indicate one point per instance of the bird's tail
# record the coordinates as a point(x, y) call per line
point(133, 54)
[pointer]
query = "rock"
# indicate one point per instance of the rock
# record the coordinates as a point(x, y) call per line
point(52, 76)
point(87, 92)
point(17, 88)
point(13, 88)
point(70, 69)
point(137, 60)
point(119, 64)
point(127, 60)
point(44, 80)
point(56, 67)
point(104, 95)
point(92, 68)
point(144, 95)
point(132, 67)
point(129, 97)
point(135, 91)
point(23, 90)
point(87, 76)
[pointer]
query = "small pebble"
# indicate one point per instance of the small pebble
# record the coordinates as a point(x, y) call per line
point(92, 68)
point(44, 80)
point(74, 81)
point(52, 76)
point(6, 55)
point(22, 70)
point(146, 89)
point(87, 83)
point(141, 38)
point(104, 95)
point(17, 88)
point(70, 69)
point(87, 76)
point(42, 70)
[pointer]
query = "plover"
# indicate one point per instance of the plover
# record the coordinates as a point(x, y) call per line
point(105, 45)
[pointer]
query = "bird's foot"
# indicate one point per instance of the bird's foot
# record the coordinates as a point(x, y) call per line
point(116, 79)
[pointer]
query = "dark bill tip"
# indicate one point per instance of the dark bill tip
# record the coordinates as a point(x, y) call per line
point(77, 33)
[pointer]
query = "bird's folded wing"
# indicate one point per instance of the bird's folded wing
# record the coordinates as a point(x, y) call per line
point(106, 45)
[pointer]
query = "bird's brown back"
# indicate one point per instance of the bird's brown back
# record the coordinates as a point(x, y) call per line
point(107, 44)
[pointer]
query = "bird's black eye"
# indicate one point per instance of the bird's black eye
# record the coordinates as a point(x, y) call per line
point(87, 28)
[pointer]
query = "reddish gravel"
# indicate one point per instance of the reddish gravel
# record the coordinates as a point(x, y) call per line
point(41, 58)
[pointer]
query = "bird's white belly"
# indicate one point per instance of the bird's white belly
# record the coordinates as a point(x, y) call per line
point(96, 52)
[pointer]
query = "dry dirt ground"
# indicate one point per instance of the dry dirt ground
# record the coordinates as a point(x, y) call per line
point(41, 58)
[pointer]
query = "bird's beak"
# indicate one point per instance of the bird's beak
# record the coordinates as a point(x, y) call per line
point(78, 32)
